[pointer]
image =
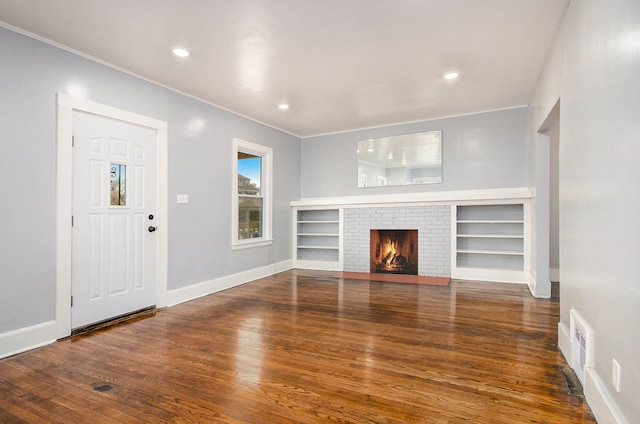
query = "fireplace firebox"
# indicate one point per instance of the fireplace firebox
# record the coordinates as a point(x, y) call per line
point(394, 251)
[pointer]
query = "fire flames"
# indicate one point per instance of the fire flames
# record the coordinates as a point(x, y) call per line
point(394, 251)
point(391, 258)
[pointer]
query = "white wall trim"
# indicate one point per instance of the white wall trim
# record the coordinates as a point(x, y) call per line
point(266, 185)
point(489, 274)
point(66, 106)
point(602, 406)
point(532, 284)
point(23, 339)
point(564, 343)
point(205, 288)
point(498, 195)
point(319, 265)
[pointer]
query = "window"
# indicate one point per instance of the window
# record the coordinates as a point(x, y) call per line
point(251, 194)
point(118, 174)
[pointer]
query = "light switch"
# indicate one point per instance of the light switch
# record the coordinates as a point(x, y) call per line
point(183, 198)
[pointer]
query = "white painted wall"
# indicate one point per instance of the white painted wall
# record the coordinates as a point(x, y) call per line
point(593, 68)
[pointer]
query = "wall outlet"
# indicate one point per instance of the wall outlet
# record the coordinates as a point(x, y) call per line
point(183, 198)
point(615, 375)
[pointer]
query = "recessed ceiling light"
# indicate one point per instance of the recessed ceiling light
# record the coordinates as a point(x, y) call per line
point(180, 52)
point(451, 75)
point(283, 106)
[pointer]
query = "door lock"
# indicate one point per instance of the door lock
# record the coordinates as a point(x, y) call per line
point(151, 228)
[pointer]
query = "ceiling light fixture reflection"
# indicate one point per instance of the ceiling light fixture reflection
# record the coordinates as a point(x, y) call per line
point(180, 51)
point(283, 106)
point(451, 75)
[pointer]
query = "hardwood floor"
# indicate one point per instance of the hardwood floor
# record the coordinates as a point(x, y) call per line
point(304, 347)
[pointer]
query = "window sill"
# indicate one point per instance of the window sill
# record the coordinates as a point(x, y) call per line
point(249, 244)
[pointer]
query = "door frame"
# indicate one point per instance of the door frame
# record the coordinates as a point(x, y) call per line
point(66, 105)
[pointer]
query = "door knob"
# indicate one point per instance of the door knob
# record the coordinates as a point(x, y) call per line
point(151, 228)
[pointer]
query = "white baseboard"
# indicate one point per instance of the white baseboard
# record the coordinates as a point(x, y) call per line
point(564, 343)
point(23, 339)
point(205, 288)
point(541, 290)
point(554, 275)
point(532, 284)
point(318, 265)
point(602, 406)
point(485, 274)
point(596, 395)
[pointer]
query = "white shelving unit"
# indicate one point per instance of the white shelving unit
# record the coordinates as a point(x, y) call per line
point(491, 242)
point(318, 238)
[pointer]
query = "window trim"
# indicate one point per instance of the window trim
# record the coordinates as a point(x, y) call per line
point(266, 187)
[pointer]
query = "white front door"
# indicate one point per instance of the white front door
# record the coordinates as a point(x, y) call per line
point(114, 219)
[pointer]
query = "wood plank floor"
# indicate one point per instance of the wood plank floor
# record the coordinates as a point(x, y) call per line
point(305, 347)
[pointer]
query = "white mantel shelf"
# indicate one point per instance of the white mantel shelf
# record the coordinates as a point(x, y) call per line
point(458, 197)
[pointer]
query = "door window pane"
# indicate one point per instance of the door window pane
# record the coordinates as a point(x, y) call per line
point(118, 175)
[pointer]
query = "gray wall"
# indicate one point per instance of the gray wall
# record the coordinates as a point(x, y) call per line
point(199, 164)
point(483, 151)
point(593, 67)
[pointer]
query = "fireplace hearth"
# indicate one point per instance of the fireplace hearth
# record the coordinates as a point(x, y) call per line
point(394, 251)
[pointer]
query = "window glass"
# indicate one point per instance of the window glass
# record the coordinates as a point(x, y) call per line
point(118, 174)
point(249, 217)
point(252, 200)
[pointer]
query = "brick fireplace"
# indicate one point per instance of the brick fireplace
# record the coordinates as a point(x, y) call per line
point(433, 225)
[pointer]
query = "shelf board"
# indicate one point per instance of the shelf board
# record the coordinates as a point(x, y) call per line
point(492, 252)
point(493, 236)
point(319, 247)
point(318, 222)
point(319, 234)
point(490, 268)
point(493, 221)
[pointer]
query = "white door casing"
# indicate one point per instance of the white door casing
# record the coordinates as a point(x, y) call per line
point(66, 106)
point(114, 219)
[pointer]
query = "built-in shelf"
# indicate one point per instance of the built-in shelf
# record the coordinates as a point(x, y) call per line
point(318, 238)
point(490, 242)
point(490, 236)
point(484, 221)
point(491, 252)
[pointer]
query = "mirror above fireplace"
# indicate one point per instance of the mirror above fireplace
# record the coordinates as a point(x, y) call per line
point(400, 160)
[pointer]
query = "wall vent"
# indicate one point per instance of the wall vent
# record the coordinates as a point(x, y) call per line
point(582, 344)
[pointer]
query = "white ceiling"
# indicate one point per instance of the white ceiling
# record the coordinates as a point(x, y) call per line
point(340, 64)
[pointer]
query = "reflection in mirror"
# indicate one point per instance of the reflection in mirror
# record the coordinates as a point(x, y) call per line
point(400, 160)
